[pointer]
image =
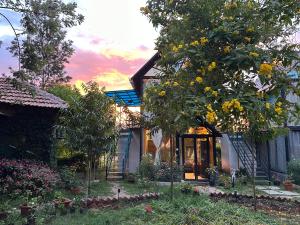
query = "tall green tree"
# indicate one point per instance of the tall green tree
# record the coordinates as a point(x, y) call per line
point(91, 124)
point(44, 49)
point(229, 60)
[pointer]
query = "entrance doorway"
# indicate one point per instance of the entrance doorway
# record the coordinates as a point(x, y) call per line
point(196, 156)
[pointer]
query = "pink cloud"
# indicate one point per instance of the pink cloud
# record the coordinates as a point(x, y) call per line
point(88, 65)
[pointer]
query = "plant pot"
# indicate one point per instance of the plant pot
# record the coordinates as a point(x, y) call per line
point(67, 203)
point(25, 210)
point(76, 190)
point(288, 186)
point(3, 215)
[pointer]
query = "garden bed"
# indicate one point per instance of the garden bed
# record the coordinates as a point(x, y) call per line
point(264, 202)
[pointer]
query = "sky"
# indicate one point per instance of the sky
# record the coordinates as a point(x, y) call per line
point(113, 42)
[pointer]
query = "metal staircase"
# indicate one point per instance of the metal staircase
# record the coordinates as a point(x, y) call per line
point(117, 161)
point(247, 156)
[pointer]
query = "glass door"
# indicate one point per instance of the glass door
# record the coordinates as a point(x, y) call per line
point(189, 158)
point(202, 158)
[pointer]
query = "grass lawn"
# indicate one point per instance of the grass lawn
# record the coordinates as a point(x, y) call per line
point(185, 209)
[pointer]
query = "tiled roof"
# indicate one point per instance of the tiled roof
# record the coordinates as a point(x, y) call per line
point(30, 96)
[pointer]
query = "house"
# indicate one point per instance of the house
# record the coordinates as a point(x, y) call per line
point(27, 118)
point(196, 150)
point(203, 146)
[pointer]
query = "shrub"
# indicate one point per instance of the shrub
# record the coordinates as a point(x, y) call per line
point(77, 159)
point(32, 178)
point(294, 170)
point(163, 172)
point(147, 168)
point(224, 181)
point(186, 188)
point(68, 177)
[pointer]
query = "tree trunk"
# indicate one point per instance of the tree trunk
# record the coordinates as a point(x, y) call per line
point(89, 175)
point(171, 165)
point(253, 177)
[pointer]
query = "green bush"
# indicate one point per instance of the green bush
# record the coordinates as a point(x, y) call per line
point(68, 177)
point(163, 172)
point(294, 170)
point(146, 168)
point(224, 181)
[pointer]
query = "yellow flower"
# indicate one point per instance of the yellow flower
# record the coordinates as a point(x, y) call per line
point(207, 89)
point(180, 46)
point(225, 106)
point(199, 80)
point(167, 83)
point(279, 104)
point(175, 49)
point(209, 107)
point(187, 64)
point(162, 93)
point(247, 39)
point(253, 54)
point(145, 10)
point(278, 110)
point(227, 49)
point(265, 69)
point(212, 66)
point(250, 29)
point(203, 41)
point(195, 43)
point(202, 70)
point(215, 93)
point(175, 84)
point(211, 117)
point(192, 83)
point(268, 105)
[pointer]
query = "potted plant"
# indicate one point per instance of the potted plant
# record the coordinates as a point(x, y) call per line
point(288, 184)
point(3, 212)
point(27, 207)
point(186, 188)
point(212, 175)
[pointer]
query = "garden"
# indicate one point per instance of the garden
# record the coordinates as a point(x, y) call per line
point(33, 193)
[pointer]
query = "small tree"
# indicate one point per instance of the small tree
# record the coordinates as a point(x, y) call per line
point(44, 50)
point(231, 68)
point(90, 122)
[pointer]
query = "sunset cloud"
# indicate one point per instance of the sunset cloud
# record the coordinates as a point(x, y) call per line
point(111, 69)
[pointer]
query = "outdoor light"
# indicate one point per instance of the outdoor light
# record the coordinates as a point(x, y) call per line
point(119, 190)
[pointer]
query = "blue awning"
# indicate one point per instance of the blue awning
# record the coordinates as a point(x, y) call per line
point(125, 97)
point(293, 74)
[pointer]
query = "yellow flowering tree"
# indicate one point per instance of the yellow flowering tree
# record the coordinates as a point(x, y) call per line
point(226, 61)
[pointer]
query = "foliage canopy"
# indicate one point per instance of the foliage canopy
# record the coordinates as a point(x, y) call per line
point(227, 62)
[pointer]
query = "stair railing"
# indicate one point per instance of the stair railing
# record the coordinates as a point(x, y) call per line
point(243, 150)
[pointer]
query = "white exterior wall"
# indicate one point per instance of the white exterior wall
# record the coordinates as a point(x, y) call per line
point(228, 154)
point(134, 151)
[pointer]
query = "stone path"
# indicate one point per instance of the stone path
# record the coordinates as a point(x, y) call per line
point(208, 189)
point(276, 191)
point(115, 187)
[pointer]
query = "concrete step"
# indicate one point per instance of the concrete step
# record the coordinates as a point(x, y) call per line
point(262, 182)
point(114, 178)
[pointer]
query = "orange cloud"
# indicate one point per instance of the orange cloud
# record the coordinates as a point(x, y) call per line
point(111, 69)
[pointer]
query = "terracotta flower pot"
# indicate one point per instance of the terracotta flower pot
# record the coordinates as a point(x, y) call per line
point(76, 190)
point(25, 210)
point(67, 203)
point(288, 186)
point(3, 215)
